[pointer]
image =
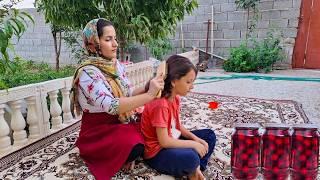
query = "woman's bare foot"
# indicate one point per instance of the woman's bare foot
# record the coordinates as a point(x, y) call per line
point(128, 166)
point(197, 175)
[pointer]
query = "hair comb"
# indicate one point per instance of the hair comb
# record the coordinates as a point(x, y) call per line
point(162, 70)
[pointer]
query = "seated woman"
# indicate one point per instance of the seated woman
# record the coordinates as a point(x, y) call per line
point(109, 137)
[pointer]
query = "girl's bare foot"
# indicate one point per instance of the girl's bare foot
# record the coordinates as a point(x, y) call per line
point(197, 175)
point(193, 176)
point(200, 175)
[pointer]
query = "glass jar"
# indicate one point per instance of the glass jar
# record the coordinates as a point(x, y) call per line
point(245, 151)
point(305, 152)
point(275, 155)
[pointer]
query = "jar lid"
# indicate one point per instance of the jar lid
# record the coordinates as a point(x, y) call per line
point(246, 125)
point(305, 126)
point(276, 125)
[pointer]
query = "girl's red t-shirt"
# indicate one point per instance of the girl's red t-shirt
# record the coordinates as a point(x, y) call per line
point(158, 113)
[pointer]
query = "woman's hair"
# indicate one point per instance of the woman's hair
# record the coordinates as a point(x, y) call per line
point(177, 67)
point(101, 24)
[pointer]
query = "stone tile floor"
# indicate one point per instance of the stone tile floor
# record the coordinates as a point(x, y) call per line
point(304, 92)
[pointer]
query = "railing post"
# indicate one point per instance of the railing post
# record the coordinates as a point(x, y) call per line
point(67, 116)
point(151, 70)
point(140, 76)
point(55, 110)
point(146, 75)
point(5, 142)
point(128, 73)
point(45, 112)
point(32, 118)
point(136, 77)
point(18, 124)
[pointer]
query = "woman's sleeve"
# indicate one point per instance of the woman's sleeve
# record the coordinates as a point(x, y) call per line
point(123, 72)
point(97, 91)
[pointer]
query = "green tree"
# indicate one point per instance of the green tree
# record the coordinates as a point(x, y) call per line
point(57, 39)
point(248, 5)
point(56, 32)
point(159, 47)
point(12, 23)
point(135, 20)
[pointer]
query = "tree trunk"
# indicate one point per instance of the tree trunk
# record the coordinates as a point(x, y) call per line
point(57, 48)
point(122, 54)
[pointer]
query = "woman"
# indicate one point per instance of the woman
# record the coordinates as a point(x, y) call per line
point(170, 148)
point(109, 138)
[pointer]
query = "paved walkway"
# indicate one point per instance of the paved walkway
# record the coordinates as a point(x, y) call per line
point(304, 92)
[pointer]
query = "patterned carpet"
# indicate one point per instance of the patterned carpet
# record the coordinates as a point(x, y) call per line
point(56, 157)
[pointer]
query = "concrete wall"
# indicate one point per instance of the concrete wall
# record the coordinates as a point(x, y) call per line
point(37, 42)
point(229, 29)
point(230, 25)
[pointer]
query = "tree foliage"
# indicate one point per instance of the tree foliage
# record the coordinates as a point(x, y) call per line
point(246, 4)
point(135, 20)
point(249, 5)
point(12, 23)
point(159, 47)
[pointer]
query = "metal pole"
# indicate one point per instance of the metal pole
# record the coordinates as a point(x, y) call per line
point(212, 11)
point(181, 33)
point(207, 43)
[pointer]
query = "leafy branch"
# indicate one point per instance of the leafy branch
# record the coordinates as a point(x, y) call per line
point(12, 23)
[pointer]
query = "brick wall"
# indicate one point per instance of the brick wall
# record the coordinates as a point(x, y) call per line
point(37, 42)
point(229, 26)
point(229, 29)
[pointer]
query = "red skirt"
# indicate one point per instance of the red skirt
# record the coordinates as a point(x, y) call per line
point(105, 144)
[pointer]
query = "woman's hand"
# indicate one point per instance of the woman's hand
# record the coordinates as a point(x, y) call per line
point(139, 99)
point(156, 84)
point(201, 149)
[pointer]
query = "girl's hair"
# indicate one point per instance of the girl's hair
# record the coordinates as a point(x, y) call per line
point(177, 67)
point(101, 24)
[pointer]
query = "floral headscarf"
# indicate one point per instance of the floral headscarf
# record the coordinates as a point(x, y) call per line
point(108, 67)
point(91, 42)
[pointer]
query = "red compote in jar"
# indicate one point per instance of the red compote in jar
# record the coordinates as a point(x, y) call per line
point(275, 158)
point(245, 151)
point(305, 152)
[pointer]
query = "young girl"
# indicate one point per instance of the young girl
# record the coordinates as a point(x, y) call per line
point(169, 147)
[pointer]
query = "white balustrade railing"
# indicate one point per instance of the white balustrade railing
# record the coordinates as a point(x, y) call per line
point(193, 56)
point(18, 130)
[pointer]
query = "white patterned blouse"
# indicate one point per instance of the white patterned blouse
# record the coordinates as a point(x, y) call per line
point(95, 93)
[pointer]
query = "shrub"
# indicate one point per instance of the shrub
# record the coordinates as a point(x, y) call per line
point(260, 57)
point(26, 72)
point(266, 53)
point(240, 60)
